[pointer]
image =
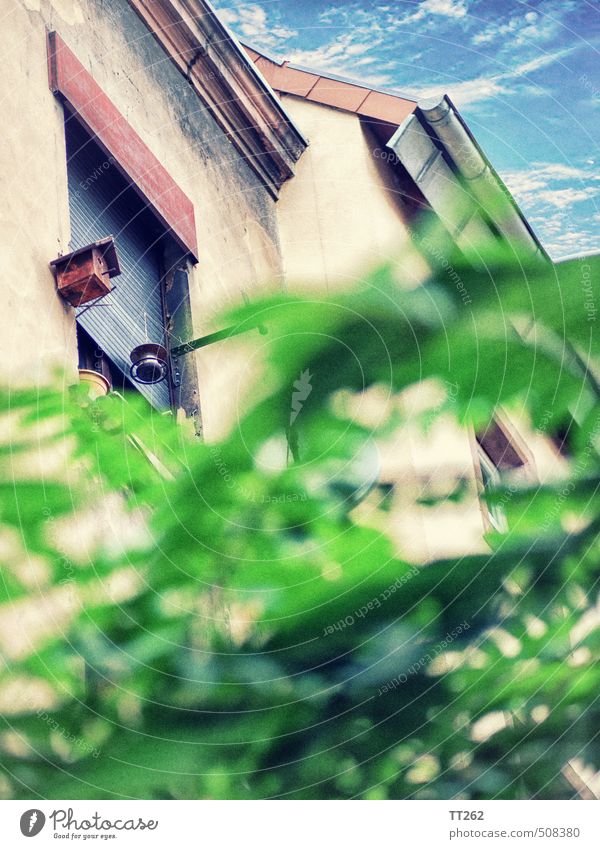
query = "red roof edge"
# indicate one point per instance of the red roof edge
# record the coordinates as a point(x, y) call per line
point(328, 90)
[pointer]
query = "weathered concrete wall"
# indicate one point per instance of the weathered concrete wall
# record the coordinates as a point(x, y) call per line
point(37, 330)
point(236, 223)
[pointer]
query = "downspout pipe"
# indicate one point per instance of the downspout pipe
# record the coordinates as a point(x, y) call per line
point(478, 175)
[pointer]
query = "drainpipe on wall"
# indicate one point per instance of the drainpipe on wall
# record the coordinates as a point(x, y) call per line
point(459, 194)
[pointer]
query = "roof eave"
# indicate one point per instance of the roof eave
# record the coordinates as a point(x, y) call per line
point(225, 79)
point(333, 91)
point(468, 183)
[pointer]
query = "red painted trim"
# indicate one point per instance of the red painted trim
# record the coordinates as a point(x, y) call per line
point(69, 79)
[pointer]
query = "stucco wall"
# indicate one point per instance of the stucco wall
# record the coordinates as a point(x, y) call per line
point(235, 216)
point(36, 328)
point(339, 217)
point(341, 214)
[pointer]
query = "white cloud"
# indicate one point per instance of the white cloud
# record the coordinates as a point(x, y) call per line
point(560, 171)
point(228, 16)
point(448, 8)
point(572, 242)
point(252, 22)
point(538, 62)
point(344, 55)
point(525, 29)
point(549, 193)
point(469, 92)
point(564, 198)
point(542, 183)
point(330, 55)
point(350, 49)
point(455, 9)
point(466, 92)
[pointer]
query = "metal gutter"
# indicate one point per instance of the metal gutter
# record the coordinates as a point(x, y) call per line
point(461, 186)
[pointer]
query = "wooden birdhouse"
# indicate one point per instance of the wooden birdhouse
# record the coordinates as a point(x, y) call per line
point(84, 275)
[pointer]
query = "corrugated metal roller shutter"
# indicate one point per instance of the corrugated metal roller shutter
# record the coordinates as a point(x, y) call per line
point(102, 204)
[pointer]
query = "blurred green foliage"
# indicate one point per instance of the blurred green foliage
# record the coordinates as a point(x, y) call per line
point(267, 645)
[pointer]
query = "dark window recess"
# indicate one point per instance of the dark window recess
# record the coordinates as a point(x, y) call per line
point(92, 357)
point(499, 447)
point(102, 203)
point(564, 435)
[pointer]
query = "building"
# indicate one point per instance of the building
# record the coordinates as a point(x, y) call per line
point(221, 172)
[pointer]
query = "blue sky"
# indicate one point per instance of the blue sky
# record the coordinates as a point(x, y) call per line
point(526, 77)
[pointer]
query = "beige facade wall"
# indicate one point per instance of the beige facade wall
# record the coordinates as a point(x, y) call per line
point(340, 215)
point(423, 464)
point(37, 330)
